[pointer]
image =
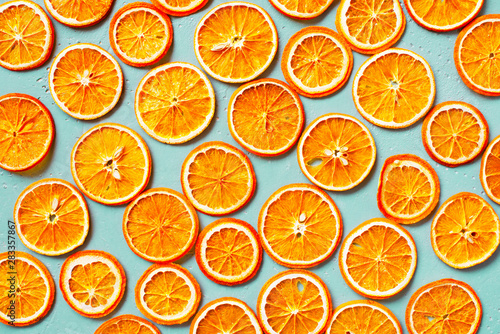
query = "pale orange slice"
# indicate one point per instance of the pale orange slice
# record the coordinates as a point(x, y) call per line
point(179, 7)
point(78, 13)
point(490, 170)
point(127, 324)
point(301, 9)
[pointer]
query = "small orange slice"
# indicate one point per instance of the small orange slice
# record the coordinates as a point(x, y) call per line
point(266, 117)
point(444, 306)
point(299, 226)
point(78, 13)
point(336, 152)
point(174, 102)
point(378, 258)
point(490, 170)
point(127, 324)
point(301, 9)
point(33, 285)
point(167, 294)
point(26, 132)
point(408, 189)
point(92, 282)
point(179, 7)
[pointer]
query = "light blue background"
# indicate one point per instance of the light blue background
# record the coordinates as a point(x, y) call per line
point(356, 205)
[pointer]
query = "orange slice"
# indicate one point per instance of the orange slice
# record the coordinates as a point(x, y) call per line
point(370, 27)
point(51, 217)
point(167, 294)
point(140, 34)
point(477, 55)
point(235, 42)
point(378, 258)
point(316, 62)
point(294, 302)
point(217, 178)
point(85, 81)
point(301, 9)
point(490, 170)
point(160, 225)
point(78, 13)
point(26, 35)
point(336, 152)
point(174, 102)
point(26, 132)
point(465, 231)
point(266, 117)
point(454, 133)
point(127, 324)
point(299, 226)
point(408, 189)
point(228, 251)
point(444, 306)
point(33, 285)
point(394, 88)
point(179, 7)
point(111, 164)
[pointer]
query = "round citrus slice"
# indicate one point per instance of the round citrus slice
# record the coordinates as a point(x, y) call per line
point(217, 178)
point(85, 81)
point(228, 251)
point(444, 306)
point(301, 9)
point(490, 170)
point(336, 152)
point(78, 13)
point(179, 7)
point(378, 258)
point(408, 189)
point(26, 35)
point(266, 117)
point(111, 164)
point(140, 34)
point(316, 62)
point(235, 42)
point(51, 217)
point(127, 324)
point(33, 286)
point(294, 302)
point(160, 225)
point(394, 88)
point(299, 226)
point(174, 102)
point(477, 55)
point(26, 132)
point(167, 294)
point(92, 282)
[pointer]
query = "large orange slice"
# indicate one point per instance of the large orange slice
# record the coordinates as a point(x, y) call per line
point(78, 13)
point(490, 170)
point(179, 7)
point(301, 9)
point(127, 324)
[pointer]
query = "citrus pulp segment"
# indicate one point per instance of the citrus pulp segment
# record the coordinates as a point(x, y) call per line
point(301, 9)
point(179, 7)
point(127, 324)
point(78, 13)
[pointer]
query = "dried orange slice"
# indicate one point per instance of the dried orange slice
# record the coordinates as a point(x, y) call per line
point(299, 226)
point(174, 102)
point(316, 62)
point(477, 55)
point(78, 13)
point(51, 217)
point(111, 164)
point(293, 302)
point(444, 306)
point(266, 117)
point(127, 324)
point(394, 88)
point(235, 42)
point(301, 9)
point(378, 258)
point(408, 189)
point(490, 170)
point(92, 282)
point(33, 285)
point(179, 7)
point(85, 81)
point(167, 294)
point(217, 178)
point(228, 251)
point(26, 132)
point(336, 152)
point(454, 133)
point(160, 225)
point(140, 34)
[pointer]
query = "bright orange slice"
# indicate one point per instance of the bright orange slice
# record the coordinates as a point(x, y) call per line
point(33, 285)
point(294, 302)
point(490, 170)
point(299, 226)
point(444, 306)
point(174, 102)
point(266, 117)
point(235, 42)
point(378, 258)
point(179, 7)
point(408, 189)
point(127, 324)
point(394, 88)
point(78, 13)
point(316, 62)
point(336, 152)
point(26, 132)
point(301, 9)
point(167, 294)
